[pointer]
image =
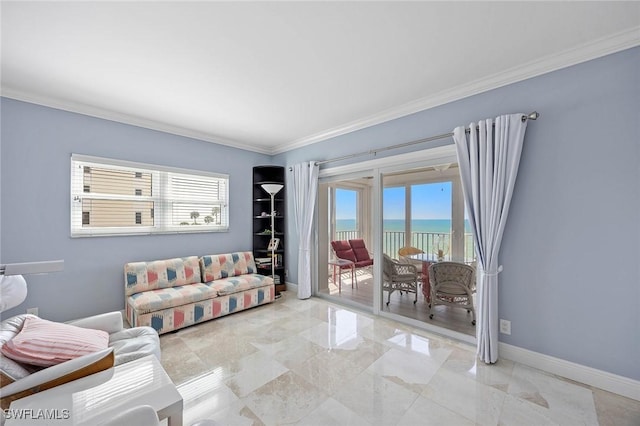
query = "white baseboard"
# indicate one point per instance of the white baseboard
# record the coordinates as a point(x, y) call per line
point(293, 288)
point(590, 376)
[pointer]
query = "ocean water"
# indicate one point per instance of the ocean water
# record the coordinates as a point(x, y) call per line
point(417, 225)
point(428, 241)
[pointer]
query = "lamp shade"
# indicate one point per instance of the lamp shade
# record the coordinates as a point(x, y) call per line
point(13, 287)
point(13, 290)
point(272, 188)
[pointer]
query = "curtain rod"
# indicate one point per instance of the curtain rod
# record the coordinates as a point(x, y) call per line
point(532, 116)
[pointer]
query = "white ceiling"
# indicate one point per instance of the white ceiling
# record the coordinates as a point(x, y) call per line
point(272, 76)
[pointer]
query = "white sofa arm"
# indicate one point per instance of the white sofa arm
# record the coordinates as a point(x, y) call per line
point(62, 373)
point(111, 322)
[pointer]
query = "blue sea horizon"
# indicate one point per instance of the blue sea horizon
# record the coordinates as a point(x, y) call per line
point(397, 225)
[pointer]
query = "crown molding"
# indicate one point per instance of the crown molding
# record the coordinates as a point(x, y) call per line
point(592, 50)
point(586, 52)
point(92, 111)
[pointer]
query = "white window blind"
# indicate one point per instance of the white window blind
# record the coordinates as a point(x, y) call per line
point(113, 197)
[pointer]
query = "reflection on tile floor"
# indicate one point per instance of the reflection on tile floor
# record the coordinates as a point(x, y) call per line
point(314, 363)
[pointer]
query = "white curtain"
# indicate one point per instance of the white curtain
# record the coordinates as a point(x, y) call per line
point(305, 187)
point(488, 167)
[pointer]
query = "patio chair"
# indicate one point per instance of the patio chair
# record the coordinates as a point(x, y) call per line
point(399, 276)
point(452, 284)
point(363, 259)
point(343, 250)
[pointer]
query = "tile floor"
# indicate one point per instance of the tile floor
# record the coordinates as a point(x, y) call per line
point(314, 363)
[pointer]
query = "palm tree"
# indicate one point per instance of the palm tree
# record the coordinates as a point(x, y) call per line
point(208, 219)
point(215, 212)
point(195, 215)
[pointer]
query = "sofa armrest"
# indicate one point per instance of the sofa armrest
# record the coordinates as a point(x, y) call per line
point(111, 322)
point(59, 374)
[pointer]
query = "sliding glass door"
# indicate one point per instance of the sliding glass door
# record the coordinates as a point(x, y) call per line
point(424, 209)
point(389, 203)
point(344, 215)
point(419, 216)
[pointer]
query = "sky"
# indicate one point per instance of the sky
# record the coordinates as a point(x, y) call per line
point(429, 201)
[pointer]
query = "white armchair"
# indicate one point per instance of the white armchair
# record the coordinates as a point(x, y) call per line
point(19, 380)
point(128, 343)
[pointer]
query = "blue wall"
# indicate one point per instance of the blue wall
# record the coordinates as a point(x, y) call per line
point(37, 143)
point(571, 249)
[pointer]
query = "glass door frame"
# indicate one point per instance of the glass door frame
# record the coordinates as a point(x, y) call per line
point(326, 203)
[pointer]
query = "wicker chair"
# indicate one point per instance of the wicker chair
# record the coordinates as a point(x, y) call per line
point(399, 276)
point(452, 284)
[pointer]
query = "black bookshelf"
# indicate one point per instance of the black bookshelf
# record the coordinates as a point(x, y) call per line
point(262, 221)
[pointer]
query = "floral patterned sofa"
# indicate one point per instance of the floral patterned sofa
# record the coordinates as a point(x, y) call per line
point(175, 293)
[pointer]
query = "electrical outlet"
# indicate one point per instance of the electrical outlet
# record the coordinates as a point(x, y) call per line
point(33, 311)
point(505, 327)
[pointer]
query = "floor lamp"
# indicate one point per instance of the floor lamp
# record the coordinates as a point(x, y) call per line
point(272, 189)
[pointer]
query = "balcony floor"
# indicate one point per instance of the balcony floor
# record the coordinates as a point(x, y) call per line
point(456, 319)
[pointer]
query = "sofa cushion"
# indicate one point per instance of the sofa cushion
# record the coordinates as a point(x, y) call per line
point(217, 266)
point(155, 300)
point(145, 276)
point(167, 320)
point(241, 283)
point(47, 343)
point(132, 343)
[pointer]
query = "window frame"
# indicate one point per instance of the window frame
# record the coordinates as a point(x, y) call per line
point(160, 198)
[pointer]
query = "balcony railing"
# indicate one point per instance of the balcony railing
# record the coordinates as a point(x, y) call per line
point(428, 242)
point(347, 235)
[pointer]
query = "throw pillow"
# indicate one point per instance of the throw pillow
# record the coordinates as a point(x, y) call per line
point(46, 343)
